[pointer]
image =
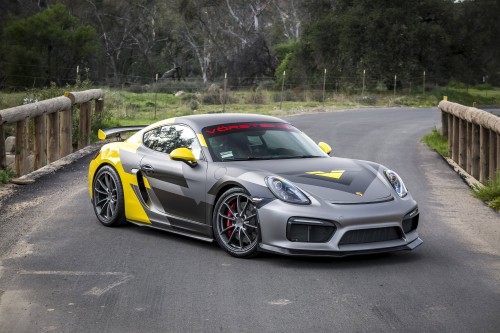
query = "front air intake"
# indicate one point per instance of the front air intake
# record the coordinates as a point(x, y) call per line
point(309, 230)
point(371, 235)
point(410, 221)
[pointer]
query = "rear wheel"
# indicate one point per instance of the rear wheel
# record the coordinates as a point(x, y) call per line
point(236, 224)
point(108, 199)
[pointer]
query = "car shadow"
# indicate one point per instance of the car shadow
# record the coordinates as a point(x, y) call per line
point(297, 262)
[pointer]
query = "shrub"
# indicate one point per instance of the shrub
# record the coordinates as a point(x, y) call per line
point(6, 175)
point(435, 141)
point(490, 193)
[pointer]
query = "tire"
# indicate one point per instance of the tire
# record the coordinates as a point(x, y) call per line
point(235, 223)
point(107, 198)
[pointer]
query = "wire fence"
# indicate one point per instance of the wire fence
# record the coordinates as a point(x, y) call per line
point(146, 97)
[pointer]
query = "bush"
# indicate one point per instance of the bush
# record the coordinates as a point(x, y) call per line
point(435, 141)
point(367, 100)
point(259, 96)
point(490, 193)
point(6, 175)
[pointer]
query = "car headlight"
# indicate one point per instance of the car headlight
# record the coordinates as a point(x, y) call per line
point(396, 182)
point(286, 191)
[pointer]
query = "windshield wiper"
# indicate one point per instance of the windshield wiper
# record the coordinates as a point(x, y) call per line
point(247, 158)
point(250, 158)
point(299, 156)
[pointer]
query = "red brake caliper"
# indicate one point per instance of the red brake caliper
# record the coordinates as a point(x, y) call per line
point(228, 221)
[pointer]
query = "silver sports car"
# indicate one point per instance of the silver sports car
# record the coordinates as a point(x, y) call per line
point(253, 183)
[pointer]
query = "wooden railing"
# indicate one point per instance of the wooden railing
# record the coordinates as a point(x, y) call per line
point(53, 128)
point(473, 139)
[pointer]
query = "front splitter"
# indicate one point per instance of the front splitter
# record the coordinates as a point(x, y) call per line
point(312, 253)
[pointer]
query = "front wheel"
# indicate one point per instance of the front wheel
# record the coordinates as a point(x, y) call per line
point(107, 198)
point(235, 223)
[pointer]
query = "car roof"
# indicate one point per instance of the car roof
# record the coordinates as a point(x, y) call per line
point(199, 121)
point(203, 120)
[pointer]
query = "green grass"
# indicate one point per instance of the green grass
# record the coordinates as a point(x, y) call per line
point(477, 95)
point(6, 175)
point(435, 141)
point(490, 192)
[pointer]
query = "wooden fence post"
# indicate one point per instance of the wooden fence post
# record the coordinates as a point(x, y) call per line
point(483, 154)
point(84, 125)
point(53, 137)
point(40, 142)
point(3, 159)
point(66, 137)
point(469, 148)
point(444, 124)
point(462, 144)
point(475, 152)
point(450, 135)
point(99, 107)
point(493, 154)
point(88, 129)
point(22, 145)
point(455, 138)
point(498, 150)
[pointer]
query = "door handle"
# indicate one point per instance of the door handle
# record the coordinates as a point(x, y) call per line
point(148, 169)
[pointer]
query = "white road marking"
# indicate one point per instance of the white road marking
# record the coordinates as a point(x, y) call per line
point(280, 301)
point(96, 291)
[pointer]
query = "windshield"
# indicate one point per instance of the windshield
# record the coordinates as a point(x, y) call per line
point(258, 141)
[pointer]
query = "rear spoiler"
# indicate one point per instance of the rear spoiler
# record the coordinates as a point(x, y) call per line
point(117, 131)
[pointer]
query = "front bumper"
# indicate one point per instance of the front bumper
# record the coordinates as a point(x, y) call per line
point(274, 217)
point(313, 253)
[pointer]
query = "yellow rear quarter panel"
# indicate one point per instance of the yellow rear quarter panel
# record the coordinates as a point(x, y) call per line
point(110, 155)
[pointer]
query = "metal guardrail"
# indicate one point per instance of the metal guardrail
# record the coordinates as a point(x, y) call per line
point(473, 139)
point(53, 128)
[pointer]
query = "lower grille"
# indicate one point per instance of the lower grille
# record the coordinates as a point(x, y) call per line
point(319, 232)
point(371, 235)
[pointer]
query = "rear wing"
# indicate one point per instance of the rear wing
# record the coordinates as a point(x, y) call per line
point(117, 131)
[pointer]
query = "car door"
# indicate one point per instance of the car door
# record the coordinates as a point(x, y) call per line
point(176, 188)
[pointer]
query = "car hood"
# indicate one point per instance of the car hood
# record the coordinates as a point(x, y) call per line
point(335, 180)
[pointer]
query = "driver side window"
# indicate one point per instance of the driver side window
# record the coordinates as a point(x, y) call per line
point(169, 137)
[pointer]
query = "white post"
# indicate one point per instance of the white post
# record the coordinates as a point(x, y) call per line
point(423, 85)
point(282, 87)
point(363, 91)
point(324, 84)
point(156, 92)
point(225, 87)
point(395, 81)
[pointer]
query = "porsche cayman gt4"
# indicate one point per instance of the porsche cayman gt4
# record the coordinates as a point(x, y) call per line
point(252, 183)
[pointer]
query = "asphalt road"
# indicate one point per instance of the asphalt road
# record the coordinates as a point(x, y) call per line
point(61, 271)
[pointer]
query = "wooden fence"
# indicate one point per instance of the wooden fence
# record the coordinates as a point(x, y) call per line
point(473, 139)
point(53, 128)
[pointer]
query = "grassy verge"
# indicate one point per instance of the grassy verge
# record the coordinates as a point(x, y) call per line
point(6, 175)
point(435, 141)
point(489, 193)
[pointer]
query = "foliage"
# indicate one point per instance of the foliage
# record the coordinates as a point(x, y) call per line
point(436, 142)
point(252, 41)
point(469, 96)
point(6, 175)
point(490, 193)
point(45, 47)
point(383, 38)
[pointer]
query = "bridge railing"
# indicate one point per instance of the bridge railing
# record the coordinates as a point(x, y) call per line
point(473, 139)
point(53, 128)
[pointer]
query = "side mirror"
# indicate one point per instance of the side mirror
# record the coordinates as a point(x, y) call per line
point(325, 147)
point(185, 155)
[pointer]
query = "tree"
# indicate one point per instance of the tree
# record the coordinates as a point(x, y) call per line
point(230, 36)
point(45, 47)
point(385, 38)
